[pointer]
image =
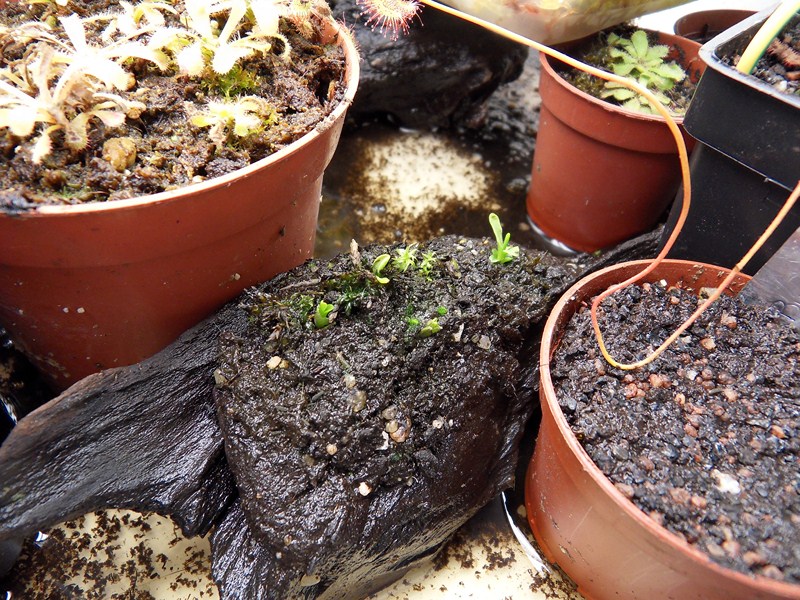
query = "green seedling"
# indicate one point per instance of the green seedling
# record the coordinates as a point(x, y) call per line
point(428, 263)
point(321, 315)
point(504, 252)
point(378, 265)
point(430, 328)
point(406, 258)
point(442, 310)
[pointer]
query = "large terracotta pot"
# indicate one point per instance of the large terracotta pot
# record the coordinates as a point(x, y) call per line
point(601, 173)
point(84, 288)
point(607, 545)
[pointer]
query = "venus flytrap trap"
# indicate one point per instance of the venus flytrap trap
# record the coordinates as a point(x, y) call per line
point(430, 328)
point(378, 265)
point(322, 316)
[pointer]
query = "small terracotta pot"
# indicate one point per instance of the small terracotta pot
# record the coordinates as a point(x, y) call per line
point(601, 173)
point(609, 547)
point(703, 25)
point(84, 288)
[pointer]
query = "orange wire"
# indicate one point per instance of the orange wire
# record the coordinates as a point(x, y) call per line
point(685, 175)
point(683, 154)
point(710, 300)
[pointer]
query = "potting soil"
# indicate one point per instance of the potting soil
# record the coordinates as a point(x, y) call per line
point(706, 439)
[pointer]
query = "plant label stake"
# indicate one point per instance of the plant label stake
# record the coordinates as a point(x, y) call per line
point(778, 282)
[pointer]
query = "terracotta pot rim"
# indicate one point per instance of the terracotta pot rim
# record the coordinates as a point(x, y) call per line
point(550, 404)
point(667, 38)
point(708, 14)
point(351, 84)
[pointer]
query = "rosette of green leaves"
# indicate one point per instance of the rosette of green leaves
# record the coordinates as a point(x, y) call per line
point(637, 59)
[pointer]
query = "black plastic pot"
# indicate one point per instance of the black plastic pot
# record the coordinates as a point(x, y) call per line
point(747, 160)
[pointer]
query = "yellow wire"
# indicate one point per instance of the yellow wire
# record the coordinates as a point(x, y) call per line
point(764, 36)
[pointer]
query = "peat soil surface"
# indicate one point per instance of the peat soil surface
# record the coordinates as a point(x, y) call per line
point(706, 439)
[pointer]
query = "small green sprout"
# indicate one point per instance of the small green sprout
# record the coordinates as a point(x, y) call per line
point(412, 322)
point(442, 310)
point(428, 263)
point(406, 258)
point(321, 318)
point(378, 265)
point(431, 327)
point(503, 253)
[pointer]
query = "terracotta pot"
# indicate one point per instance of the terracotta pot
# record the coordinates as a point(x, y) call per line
point(601, 173)
point(703, 25)
point(609, 547)
point(84, 288)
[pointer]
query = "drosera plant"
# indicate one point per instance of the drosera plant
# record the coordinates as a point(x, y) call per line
point(428, 263)
point(636, 58)
point(65, 84)
point(405, 258)
point(503, 252)
point(236, 118)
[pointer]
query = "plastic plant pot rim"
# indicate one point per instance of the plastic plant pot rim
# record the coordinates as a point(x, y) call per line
point(554, 325)
point(664, 38)
point(350, 83)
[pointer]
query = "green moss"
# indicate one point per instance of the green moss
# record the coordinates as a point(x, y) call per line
point(236, 82)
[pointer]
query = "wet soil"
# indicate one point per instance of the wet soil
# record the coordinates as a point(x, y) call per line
point(705, 440)
point(594, 51)
point(416, 393)
point(170, 152)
